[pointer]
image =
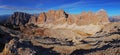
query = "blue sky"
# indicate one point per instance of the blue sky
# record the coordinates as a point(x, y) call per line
point(112, 7)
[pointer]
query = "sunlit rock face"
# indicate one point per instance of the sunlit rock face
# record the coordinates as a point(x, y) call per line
point(85, 18)
point(51, 16)
point(42, 18)
point(102, 16)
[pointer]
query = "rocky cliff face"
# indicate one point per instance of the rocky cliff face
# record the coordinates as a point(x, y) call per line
point(51, 16)
point(102, 16)
point(85, 18)
point(59, 17)
point(32, 20)
point(18, 18)
point(42, 18)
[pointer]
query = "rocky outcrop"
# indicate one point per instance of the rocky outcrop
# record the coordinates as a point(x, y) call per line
point(61, 17)
point(86, 18)
point(102, 16)
point(51, 16)
point(12, 48)
point(42, 18)
point(18, 18)
point(32, 20)
point(18, 46)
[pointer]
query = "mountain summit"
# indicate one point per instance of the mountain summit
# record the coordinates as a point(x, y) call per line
point(59, 17)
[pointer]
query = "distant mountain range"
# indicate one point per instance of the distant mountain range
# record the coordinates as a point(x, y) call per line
point(3, 18)
point(115, 18)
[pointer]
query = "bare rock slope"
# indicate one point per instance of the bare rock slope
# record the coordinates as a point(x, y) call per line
point(104, 42)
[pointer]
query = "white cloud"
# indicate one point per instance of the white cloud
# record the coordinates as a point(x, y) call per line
point(19, 8)
point(2, 6)
point(7, 7)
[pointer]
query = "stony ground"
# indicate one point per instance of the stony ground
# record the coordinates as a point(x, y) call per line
point(104, 42)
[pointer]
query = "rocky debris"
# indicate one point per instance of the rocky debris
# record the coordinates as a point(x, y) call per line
point(108, 49)
point(18, 18)
point(14, 47)
point(111, 27)
point(58, 42)
point(4, 38)
point(22, 47)
point(96, 44)
point(9, 31)
point(10, 48)
point(106, 43)
point(56, 18)
point(53, 41)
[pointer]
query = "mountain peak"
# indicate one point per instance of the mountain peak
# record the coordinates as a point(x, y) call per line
point(101, 10)
point(18, 18)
